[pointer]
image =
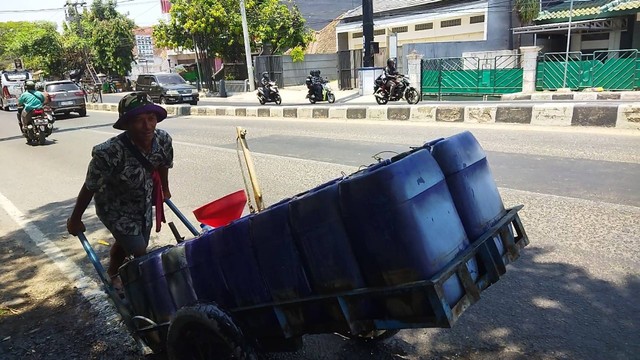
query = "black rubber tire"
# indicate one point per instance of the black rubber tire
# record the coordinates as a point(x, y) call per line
point(42, 138)
point(331, 98)
point(312, 100)
point(204, 331)
point(82, 112)
point(261, 100)
point(374, 336)
point(412, 96)
point(381, 101)
point(278, 99)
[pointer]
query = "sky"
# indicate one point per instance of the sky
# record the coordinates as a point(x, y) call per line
point(142, 12)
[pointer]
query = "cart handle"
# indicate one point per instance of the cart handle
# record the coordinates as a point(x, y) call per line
point(182, 218)
point(93, 257)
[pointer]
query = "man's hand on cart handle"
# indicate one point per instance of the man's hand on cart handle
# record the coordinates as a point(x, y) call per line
point(75, 226)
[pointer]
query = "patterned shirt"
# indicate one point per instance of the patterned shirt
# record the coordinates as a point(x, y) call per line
point(122, 186)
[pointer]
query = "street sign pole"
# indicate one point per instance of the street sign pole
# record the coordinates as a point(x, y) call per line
point(367, 32)
point(566, 56)
point(247, 46)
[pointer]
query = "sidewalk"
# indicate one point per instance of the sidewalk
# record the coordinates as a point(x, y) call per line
point(293, 94)
point(575, 95)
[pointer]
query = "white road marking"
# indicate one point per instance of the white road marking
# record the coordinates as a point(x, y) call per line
point(87, 287)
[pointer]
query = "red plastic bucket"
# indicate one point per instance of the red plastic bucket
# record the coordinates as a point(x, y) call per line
point(222, 211)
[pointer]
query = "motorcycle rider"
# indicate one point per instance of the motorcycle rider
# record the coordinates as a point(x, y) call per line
point(317, 84)
point(266, 85)
point(30, 100)
point(314, 85)
point(391, 75)
point(40, 88)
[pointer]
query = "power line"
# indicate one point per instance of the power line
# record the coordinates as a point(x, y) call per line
point(122, 3)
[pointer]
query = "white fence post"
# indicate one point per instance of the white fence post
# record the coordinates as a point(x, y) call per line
point(529, 67)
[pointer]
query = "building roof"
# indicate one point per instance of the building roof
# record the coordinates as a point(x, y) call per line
point(147, 30)
point(325, 41)
point(381, 6)
point(588, 9)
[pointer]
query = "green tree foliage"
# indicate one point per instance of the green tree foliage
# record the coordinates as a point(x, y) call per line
point(280, 24)
point(216, 26)
point(105, 35)
point(36, 43)
point(297, 54)
point(527, 10)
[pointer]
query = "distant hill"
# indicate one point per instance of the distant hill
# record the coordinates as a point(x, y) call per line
point(320, 13)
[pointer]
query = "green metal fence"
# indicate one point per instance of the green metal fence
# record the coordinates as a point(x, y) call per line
point(610, 70)
point(472, 75)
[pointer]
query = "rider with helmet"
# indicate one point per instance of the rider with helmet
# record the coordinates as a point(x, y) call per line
point(391, 74)
point(30, 100)
point(266, 85)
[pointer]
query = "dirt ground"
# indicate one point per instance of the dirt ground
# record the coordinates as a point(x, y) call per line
point(42, 316)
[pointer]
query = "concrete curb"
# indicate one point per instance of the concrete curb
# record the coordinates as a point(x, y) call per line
point(548, 114)
point(576, 96)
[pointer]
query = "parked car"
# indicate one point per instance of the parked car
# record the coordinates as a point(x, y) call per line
point(66, 97)
point(167, 88)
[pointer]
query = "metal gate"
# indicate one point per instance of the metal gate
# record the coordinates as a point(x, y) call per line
point(348, 63)
point(345, 79)
point(610, 70)
point(271, 64)
point(472, 75)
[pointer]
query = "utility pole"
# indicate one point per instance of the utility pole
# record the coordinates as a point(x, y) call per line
point(247, 46)
point(367, 32)
point(566, 56)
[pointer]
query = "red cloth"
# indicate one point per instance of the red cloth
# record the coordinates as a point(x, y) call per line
point(158, 199)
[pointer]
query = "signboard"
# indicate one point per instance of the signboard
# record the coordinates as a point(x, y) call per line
point(18, 64)
point(165, 5)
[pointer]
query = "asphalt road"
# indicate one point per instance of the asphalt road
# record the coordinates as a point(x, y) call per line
point(572, 295)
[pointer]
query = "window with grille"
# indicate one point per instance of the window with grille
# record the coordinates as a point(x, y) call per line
point(450, 23)
point(356, 35)
point(379, 32)
point(400, 29)
point(477, 19)
point(427, 26)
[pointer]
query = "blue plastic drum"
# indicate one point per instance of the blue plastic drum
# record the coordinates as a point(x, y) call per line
point(234, 252)
point(206, 275)
point(403, 223)
point(131, 276)
point(322, 240)
point(176, 271)
point(156, 288)
point(473, 188)
point(278, 258)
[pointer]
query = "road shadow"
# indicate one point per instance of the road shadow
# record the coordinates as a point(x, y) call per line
point(348, 98)
point(540, 309)
point(76, 128)
point(56, 321)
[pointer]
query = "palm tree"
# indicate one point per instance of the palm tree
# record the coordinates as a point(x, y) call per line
point(527, 10)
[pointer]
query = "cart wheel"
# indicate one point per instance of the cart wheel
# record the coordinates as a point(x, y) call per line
point(204, 331)
point(373, 336)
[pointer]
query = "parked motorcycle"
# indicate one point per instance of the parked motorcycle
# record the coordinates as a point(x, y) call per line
point(402, 90)
point(274, 94)
point(41, 126)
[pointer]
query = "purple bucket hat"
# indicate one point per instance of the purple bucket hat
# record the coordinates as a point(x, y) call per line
point(134, 104)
